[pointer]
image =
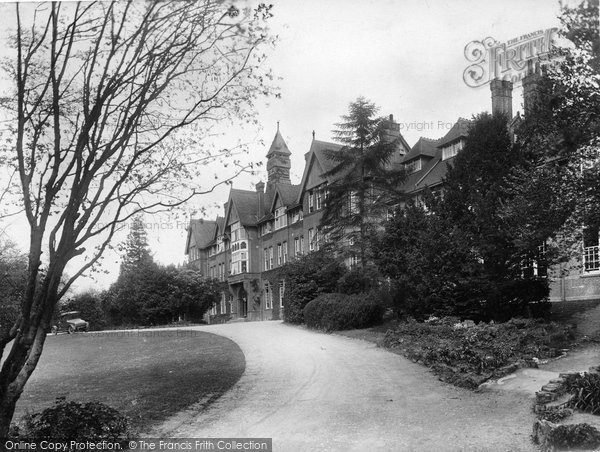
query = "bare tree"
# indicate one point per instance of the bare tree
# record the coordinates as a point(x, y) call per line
point(99, 129)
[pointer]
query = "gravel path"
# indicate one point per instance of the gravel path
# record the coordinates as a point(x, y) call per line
point(317, 392)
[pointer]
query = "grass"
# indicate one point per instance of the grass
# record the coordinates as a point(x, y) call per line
point(147, 376)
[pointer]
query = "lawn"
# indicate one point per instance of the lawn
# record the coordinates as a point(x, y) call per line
point(147, 375)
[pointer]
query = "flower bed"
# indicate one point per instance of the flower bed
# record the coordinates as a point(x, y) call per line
point(467, 355)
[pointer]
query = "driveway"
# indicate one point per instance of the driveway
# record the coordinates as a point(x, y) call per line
point(317, 392)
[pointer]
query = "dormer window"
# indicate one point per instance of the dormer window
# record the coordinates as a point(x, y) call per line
point(413, 166)
point(451, 150)
point(280, 218)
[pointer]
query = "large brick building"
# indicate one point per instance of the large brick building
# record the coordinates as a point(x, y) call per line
point(261, 230)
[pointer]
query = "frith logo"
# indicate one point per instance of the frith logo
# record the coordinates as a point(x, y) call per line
point(506, 61)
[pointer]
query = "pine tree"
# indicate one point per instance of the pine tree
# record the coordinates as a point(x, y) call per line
point(363, 180)
point(136, 249)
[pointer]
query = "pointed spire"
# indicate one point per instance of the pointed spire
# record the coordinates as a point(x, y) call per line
point(278, 145)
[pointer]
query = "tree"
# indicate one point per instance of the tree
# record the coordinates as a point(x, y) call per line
point(108, 100)
point(136, 249)
point(362, 180)
point(306, 278)
point(13, 275)
point(558, 190)
point(459, 256)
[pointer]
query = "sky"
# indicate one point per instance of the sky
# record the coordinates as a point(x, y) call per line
point(406, 56)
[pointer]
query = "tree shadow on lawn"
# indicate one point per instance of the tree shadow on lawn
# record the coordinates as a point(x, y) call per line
point(147, 376)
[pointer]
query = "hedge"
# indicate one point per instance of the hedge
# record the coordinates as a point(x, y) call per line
point(335, 311)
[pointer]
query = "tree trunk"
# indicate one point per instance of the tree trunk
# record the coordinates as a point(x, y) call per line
point(28, 343)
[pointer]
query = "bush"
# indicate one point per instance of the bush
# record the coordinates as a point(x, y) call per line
point(91, 421)
point(586, 392)
point(580, 436)
point(333, 312)
point(358, 280)
point(466, 354)
point(307, 278)
point(89, 305)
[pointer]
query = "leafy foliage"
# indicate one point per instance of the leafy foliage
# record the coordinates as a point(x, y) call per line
point(90, 421)
point(467, 355)
point(555, 414)
point(458, 256)
point(569, 436)
point(359, 280)
point(160, 295)
point(586, 392)
point(335, 311)
point(305, 279)
point(13, 278)
point(89, 304)
point(362, 179)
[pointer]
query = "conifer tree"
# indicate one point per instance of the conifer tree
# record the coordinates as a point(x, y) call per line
point(364, 179)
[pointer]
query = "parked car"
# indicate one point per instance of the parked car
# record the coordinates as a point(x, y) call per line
point(70, 322)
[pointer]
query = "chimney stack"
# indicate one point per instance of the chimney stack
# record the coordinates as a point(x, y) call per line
point(502, 97)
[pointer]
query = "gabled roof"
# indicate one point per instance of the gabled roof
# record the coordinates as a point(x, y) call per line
point(288, 194)
point(245, 203)
point(202, 231)
point(458, 130)
point(278, 145)
point(424, 147)
point(318, 151)
point(433, 172)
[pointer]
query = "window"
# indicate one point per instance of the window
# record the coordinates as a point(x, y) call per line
point(311, 202)
point(285, 252)
point(239, 263)
point(413, 166)
point(267, 259)
point(297, 216)
point(279, 254)
point(281, 292)
point(311, 243)
point(352, 261)
point(318, 196)
point(451, 150)
point(318, 239)
point(271, 257)
point(296, 246)
point(268, 296)
point(301, 244)
point(353, 202)
point(591, 249)
point(280, 218)
point(535, 264)
point(222, 307)
point(266, 228)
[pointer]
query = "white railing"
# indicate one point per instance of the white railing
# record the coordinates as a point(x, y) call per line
point(591, 258)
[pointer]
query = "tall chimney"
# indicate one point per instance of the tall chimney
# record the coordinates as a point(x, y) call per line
point(502, 97)
point(260, 190)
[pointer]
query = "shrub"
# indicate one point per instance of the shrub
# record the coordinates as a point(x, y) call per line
point(586, 392)
point(466, 354)
point(358, 280)
point(305, 279)
point(580, 436)
point(555, 414)
point(90, 421)
point(89, 304)
point(332, 312)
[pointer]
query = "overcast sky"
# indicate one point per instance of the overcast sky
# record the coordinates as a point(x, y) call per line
point(404, 55)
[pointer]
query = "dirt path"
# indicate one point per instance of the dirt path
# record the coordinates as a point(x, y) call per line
point(312, 391)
